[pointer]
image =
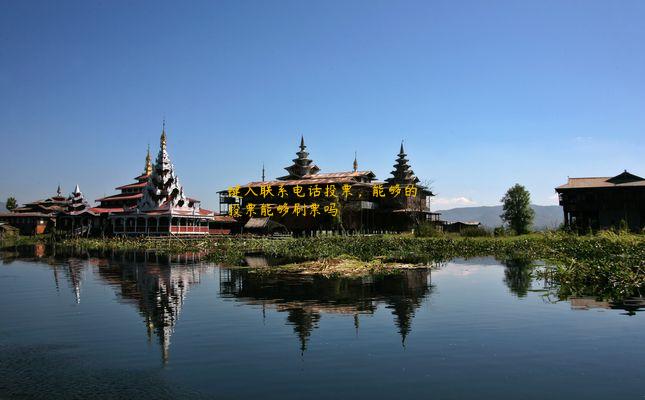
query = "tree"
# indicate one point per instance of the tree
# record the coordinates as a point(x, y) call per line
point(11, 203)
point(518, 213)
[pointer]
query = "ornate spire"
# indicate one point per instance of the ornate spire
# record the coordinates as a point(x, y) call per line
point(163, 187)
point(355, 165)
point(262, 172)
point(58, 191)
point(163, 134)
point(147, 170)
point(302, 165)
point(402, 172)
point(77, 200)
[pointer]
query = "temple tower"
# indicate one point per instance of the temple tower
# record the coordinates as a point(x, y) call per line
point(77, 201)
point(402, 172)
point(302, 165)
point(163, 188)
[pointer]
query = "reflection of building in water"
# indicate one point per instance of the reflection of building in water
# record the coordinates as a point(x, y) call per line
point(631, 304)
point(72, 270)
point(306, 298)
point(156, 283)
point(158, 287)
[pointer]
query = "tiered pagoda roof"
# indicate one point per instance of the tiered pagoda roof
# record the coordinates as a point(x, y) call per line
point(51, 205)
point(130, 193)
point(77, 203)
point(157, 191)
point(302, 165)
point(163, 189)
point(305, 172)
point(162, 192)
point(402, 173)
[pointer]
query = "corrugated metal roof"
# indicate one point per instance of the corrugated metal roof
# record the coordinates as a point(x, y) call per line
point(602, 182)
point(313, 181)
point(256, 223)
point(347, 174)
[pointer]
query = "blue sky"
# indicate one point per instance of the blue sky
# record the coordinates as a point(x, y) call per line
point(484, 93)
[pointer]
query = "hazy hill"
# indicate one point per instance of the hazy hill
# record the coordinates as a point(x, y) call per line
point(545, 216)
point(2, 207)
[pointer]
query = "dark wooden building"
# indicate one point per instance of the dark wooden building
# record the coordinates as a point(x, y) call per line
point(348, 201)
point(604, 202)
point(460, 226)
point(37, 217)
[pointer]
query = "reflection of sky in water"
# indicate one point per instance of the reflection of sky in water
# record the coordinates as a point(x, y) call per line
point(473, 328)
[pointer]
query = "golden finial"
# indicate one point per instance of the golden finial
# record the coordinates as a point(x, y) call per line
point(148, 169)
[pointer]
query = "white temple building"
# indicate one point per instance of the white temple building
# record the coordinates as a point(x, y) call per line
point(163, 208)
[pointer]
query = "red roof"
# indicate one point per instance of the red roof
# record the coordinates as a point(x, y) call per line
point(105, 210)
point(116, 197)
point(165, 211)
point(132, 185)
point(26, 214)
point(224, 218)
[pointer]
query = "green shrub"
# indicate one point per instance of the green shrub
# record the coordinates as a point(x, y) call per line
point(623, 227)
point(475, 231)
point(427, 229)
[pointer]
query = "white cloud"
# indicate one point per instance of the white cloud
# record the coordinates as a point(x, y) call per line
point(442, 202)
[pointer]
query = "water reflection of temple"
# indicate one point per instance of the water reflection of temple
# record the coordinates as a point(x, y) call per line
point(156, 284)
point(306, 298)
point(72, 270)
point(69, 269)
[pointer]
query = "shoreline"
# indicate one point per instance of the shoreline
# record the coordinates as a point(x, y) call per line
point(606, 264)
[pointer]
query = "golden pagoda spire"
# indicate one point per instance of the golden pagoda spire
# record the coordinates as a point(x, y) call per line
point(163, 134)
point(148, 168)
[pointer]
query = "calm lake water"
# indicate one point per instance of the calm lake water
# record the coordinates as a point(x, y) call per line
point(119, 325)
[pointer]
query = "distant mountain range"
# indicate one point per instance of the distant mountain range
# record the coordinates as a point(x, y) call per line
point(545, 216)
point(2, 207)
